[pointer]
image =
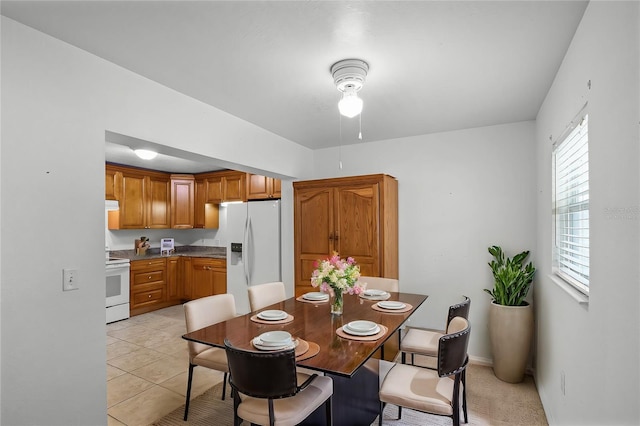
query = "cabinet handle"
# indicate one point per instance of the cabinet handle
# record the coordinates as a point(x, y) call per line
point(149, 296)
point(331, 236)
point(337, 236)
point(149, 276)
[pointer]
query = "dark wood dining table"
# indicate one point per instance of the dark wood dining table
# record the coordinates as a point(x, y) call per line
point(349, 362)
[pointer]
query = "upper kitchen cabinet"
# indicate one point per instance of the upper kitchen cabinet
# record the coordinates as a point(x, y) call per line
point(112, 184)
point(224, 186)
point(206, 215)
point(182, 201)
point(144, 199)
point(354, 216)
point(262, 187)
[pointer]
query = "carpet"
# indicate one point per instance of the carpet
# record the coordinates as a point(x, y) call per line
point(490, 402)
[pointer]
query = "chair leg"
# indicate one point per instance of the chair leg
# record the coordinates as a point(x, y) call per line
point(381, 411)
point(413, 360)
point(399, 412)
point(328, 411)
point(237, 421)
point(224, 385)
point(464, 395)
point(186, 404)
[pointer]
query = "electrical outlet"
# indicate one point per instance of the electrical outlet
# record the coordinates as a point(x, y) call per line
point(69, 279)
point(562, 383)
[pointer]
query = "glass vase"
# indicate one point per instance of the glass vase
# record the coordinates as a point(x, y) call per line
point(336, 303)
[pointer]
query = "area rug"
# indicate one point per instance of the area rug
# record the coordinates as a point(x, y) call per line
point(490, 402)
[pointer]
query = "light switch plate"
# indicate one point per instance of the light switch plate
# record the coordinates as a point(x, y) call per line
point(69, 279)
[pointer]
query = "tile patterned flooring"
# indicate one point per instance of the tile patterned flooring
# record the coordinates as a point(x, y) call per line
point(147, 368)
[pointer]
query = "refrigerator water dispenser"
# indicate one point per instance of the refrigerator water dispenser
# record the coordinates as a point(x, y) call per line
point(236, 254)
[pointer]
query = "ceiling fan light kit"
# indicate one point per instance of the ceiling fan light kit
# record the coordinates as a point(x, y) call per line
point(349, 76)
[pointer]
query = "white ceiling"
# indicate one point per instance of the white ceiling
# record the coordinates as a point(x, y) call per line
point(434, 65)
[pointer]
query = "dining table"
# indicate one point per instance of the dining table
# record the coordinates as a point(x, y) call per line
point(348, 359)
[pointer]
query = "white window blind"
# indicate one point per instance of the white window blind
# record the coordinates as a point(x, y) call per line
point(571, 206)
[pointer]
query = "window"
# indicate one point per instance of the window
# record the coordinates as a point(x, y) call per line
point(571, 205)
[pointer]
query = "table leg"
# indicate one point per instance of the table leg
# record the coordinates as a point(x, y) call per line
point(355, 399)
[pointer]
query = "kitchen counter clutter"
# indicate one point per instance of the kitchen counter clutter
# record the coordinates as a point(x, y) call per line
point(159, 281)
point(190, 251)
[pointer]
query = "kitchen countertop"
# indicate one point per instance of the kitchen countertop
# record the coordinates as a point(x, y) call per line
point(189, 251)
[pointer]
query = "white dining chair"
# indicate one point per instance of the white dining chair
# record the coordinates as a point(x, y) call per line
point(200, 313)
point(380, 283)
point(266, 294)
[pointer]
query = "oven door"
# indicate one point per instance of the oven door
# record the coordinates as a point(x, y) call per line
point(117, 285)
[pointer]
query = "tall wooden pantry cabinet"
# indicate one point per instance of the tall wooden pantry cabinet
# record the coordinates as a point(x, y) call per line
point(355, 216)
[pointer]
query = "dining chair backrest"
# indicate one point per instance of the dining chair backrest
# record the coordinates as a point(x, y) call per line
point(459, 310)
point(200, 313)
point(269, 374)
point(266, 294)
point(379, 283)
point(452, 347)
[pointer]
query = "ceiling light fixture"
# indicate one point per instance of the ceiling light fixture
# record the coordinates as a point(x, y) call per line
point(145, 154)
point(349, 76)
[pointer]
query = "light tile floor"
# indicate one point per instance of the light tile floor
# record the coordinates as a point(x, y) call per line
point(147, 368)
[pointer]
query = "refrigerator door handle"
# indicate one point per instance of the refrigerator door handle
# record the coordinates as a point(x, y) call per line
point(246, 250)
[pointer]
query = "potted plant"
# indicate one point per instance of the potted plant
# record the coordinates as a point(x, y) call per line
point(510, 315)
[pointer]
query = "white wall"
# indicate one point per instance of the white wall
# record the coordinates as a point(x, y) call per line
point(57, 102)
point(596, 346)
point(459, 193)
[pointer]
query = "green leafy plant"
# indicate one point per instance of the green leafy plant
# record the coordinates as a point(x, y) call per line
point(512, 280)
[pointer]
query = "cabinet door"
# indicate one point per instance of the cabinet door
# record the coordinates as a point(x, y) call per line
point(214, 189)
point(276, 188)
point(132, 207)
point(314, 224)
point(258, 187)
point(357, 226)
point(182, 203)
point(200, 195)
point(202, 278)
point(112, 184)
point(174, 279)
point(158, 202)
point(235, 187)
point(219, 276)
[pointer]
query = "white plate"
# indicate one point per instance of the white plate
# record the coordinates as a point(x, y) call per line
point(316, 295)
point(374, 292)
point(273, 315)
point(358, 333)
point(361, 326)
point(275, 338)
point(391, 305)
point(260, 345)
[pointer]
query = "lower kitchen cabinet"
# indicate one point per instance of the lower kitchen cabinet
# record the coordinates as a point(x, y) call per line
point(175, 279)
point(148, 285)
point(204, 277)
point(161, 282)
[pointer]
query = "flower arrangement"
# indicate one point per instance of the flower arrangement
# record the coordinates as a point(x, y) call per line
point(337, 276)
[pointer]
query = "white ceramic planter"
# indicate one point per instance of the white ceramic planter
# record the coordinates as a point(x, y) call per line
point(511, 332)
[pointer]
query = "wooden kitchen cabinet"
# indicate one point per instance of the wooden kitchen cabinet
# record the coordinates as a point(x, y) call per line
point(144, 197)
point(182, 201)
point(354, 216)
point(148, 286)
point(112, 184)
point(175, 279)
point(206, 215)
point(263, 187)
point(205, 277)
point(228, 185)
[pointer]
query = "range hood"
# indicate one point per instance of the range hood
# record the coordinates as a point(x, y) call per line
point(112, 205)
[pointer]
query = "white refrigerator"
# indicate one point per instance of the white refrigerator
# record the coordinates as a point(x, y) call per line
point(253, 247)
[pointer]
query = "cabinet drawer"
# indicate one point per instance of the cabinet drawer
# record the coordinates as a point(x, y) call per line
point(146, 297)
point(146, 277)
point(138, 265)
